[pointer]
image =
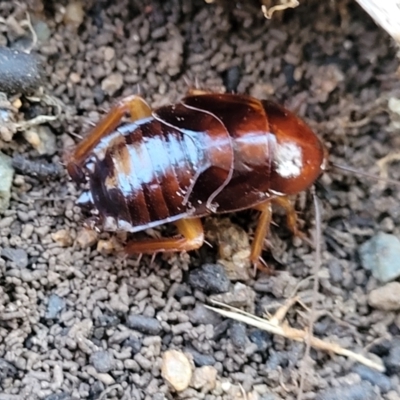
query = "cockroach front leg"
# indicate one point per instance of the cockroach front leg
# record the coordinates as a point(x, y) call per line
point(135, 106)
point(192, 238)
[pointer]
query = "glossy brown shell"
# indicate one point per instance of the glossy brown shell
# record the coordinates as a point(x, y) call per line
point(208, 153)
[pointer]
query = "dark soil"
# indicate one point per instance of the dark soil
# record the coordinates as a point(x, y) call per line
point(79, 322)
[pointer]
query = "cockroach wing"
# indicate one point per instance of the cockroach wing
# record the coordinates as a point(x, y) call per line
point(210, 137)
point(246, 121)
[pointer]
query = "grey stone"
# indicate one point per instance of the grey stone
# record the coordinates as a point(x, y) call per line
point(6, 176)
point(360, 391)
point(210, 278)
point(55, 305)
point(374, 377)
point(18, 256)
point(202, 315)
point(148, 325)
point(381, 255)
point(102, 361)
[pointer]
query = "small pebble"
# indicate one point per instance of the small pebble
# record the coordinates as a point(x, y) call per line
point(112, 83)
point(55, 305)
point(42, 139)
point(220, 329)
point(96, 389)
point(108, 321)
point(204, 378)
point(105, 247)
point(143, 324)
point(86, 238)
point(109, 53)
point(360, 391)
point(374, 377)
point(98, 333)
point(134, 343)
point(7, 128)
point(392, 361)
point(20, 72)
point(107, 379)
point(265, 396)
point(238, 334)
point(18, 256)
point(201, 315)
point(381, 255)
point(42, 30)
point(62, 237)
point(335, 271)
point(386, 297)
point(6, 177)
point(210, 278)
point(261, 338)
point(58, 396)
point(7, 370)
point(37, 167)
point(74, 14)
point(102, 361)
point(199, 359)
point(176, 369)
point(239, 296)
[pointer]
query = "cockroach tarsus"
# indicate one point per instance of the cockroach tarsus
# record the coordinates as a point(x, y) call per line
point(209, 153)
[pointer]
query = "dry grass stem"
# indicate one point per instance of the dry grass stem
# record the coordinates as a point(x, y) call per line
point(274, 326)
point(269, 11)
point(383, 164)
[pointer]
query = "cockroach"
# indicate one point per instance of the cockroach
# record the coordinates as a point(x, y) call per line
point(209, 153)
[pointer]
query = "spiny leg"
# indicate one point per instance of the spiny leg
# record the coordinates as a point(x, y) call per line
point(137, 108)
point(192, 238)
point(264, 222)
point(291, 217)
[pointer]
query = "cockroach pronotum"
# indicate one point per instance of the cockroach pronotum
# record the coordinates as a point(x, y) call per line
point(210, 153)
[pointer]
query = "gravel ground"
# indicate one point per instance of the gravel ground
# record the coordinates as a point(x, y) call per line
point(79, 322)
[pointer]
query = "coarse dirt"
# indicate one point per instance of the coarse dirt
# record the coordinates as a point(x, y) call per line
point(68, 309)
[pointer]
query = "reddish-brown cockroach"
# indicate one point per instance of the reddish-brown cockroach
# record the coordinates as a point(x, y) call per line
point(210, 153)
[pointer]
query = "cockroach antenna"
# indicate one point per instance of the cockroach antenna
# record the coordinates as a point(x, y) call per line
point(354, 171)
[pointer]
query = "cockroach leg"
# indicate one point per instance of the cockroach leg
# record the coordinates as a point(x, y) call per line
point(264, 222)
point(291, 218)
point(192, 238)
point(134, 105)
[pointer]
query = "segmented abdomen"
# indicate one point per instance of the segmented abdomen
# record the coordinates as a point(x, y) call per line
point(147, 173)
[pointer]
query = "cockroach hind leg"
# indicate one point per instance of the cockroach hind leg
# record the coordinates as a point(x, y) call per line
point(137, 106)
point(191, 238)
point(291, 218)
point(262, 229)
point(134, 105)
point(262, 266)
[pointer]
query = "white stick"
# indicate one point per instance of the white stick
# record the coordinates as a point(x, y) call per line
point(386, 13)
